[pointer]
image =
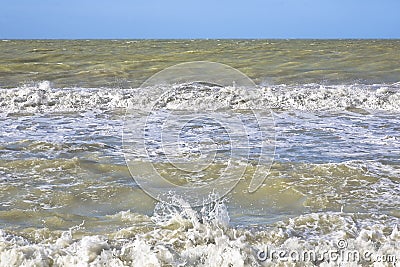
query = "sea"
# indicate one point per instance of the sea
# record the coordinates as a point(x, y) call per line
point(199, 152)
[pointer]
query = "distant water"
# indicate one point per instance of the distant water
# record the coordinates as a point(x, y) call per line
point(128, 63)
point(68, 198)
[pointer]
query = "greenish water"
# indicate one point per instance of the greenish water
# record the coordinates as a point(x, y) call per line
point(128, 63)
point(67, 197)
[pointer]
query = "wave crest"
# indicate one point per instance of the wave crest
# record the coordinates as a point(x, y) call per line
point(42, 97)
point(187, 237)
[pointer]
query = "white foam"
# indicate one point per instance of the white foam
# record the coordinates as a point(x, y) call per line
point(186, 237)
point(42, 97)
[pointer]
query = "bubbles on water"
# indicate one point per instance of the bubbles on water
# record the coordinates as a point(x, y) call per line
point(184, 144)
point(47, 98)
point(186, 236)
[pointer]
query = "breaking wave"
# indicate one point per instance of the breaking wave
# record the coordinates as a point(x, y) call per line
point(41, 97)
point(182, 236)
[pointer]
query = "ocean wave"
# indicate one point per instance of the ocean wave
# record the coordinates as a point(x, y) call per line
point(41, 97)
point(182, 236)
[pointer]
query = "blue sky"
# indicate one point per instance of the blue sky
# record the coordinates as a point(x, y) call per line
point(31, 19)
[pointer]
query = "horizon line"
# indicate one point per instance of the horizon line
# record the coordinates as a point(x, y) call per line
point(205, 39)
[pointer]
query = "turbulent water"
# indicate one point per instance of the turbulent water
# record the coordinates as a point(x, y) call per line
point(331, 197)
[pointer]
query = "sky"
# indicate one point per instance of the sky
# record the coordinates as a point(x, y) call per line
point(182, 19)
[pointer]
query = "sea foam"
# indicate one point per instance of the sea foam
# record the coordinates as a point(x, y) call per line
point(183, 236)
point(42, 97)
